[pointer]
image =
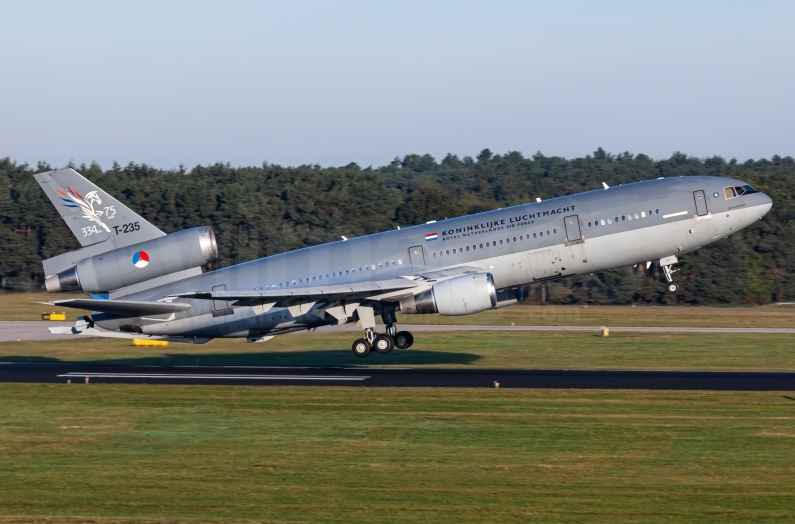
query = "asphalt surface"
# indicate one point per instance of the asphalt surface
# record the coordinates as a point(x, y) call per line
point(37, 330)
point(396, 377)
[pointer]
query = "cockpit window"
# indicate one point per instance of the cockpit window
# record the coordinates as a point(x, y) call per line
point(745, 190)
point(736, 191)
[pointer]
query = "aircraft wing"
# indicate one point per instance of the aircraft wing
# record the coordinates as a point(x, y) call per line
point(122, 308)
point(375, 290)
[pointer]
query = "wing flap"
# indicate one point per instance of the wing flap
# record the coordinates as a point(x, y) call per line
point(333, 292)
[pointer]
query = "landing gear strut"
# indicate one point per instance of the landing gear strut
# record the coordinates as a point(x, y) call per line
point(666, 263)
point(386, 342)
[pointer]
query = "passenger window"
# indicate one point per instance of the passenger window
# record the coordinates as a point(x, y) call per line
point(514, 239)
point(400, 261)
point(555, 231)
point(447, 252)
point(636, 215)
point(454, 251)
point(434, 254)
point(609, 221)
point(616, 220)
point(650, 213)
point(314, 279)
point(547, 232)
point(467, 248)
point(541, 234)
point(500, 242)
point(494, 243)
point(481, 246)
point(623, 218)
point(534, 235)
point(589, 224)
point(643, 214)
point(656, 211)
point(280, 284)
point(293, 282)
point(380, 266)
point(347, 272)
point(507, 240)
point(595, 224)
point(629, 216)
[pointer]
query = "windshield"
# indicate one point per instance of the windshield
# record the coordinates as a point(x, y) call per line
point(745, 190)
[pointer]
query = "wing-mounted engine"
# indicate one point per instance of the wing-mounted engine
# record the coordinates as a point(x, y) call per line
point(139, 262)
point(463, 295)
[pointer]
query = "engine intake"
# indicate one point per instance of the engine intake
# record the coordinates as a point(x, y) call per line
point(139, 262)
point(464, 295)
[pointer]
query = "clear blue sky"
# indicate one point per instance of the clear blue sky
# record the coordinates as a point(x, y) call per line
point(334, 82)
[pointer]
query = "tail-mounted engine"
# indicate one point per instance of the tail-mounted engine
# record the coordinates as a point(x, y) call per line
point(139, 262)
point(464, 295)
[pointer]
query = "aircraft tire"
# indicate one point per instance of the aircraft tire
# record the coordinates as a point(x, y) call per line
point(383, 344)
point(403, 340)
point(361, 347)
point(672, 287)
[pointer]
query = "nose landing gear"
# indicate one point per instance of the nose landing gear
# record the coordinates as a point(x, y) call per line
point(666, 264)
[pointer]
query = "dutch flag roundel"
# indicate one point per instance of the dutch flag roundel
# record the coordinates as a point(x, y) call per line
point(140, 259)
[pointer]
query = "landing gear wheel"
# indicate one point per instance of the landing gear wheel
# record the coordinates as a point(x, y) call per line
point(672, 287)
point(383, 344)
point(403, 340)
point(361, 348)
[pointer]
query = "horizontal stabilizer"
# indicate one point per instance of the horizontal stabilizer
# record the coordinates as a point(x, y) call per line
point(121, 308)
point(86, 331)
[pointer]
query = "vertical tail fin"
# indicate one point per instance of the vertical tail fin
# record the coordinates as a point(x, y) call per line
point(92, 214)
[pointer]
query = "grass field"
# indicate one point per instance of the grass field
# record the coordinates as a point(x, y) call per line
point(551, 350)
point(24, 306)
point(103, 453)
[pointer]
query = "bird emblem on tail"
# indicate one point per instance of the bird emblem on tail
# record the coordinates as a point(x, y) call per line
point(85, 204)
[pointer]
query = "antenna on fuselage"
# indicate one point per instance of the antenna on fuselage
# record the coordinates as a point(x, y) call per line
point(538, 199)
point(606, 186)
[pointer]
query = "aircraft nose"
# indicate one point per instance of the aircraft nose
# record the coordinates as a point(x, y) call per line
point(766, 206)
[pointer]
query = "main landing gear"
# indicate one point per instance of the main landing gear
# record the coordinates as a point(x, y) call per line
point(666, 263)
point(383, 343)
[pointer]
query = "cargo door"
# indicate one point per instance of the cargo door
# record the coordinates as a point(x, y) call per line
point(701, 203)
point(544, 264)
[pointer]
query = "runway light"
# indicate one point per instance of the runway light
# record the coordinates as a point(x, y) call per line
point(496, 385)
point(605, 331)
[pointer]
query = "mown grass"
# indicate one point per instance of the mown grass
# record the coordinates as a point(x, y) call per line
point(482, 349)
point(109, 453)
point(24, 306)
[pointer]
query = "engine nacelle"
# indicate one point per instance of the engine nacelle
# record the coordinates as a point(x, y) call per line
point(139, 262)
point(462, 295)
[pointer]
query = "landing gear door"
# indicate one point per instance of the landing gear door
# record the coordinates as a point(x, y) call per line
point(417, 257)
point(701, 203)
point(573, 233)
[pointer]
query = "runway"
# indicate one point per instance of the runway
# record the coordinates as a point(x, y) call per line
point(397, 377)
point(37, 330)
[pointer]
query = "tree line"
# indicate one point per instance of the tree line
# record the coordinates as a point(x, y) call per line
point(262, 210)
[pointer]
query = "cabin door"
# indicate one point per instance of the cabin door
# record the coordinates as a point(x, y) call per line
point(701, 203)
point(572, 223)
point(417, 257)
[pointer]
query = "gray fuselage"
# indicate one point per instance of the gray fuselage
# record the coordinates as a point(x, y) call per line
point(519, 245)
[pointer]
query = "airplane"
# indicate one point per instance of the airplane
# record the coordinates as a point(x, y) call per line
point(144, 283)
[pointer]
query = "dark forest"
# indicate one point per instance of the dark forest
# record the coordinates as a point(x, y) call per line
point(264, 210)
